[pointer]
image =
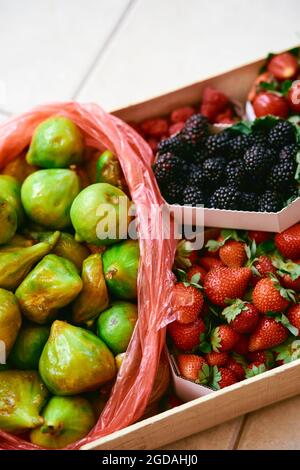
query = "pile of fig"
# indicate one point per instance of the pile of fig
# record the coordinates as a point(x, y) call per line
point(67, 296)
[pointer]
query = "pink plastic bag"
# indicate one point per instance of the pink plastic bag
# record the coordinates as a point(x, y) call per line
point(135, 380)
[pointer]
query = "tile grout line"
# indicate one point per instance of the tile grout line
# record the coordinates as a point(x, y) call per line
point(104, 47)
point(238, 436)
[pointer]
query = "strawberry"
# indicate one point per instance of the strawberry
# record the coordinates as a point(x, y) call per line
point(216, 358)
point(290, 273)
point(216, 97)
point(153, 144)
point(187, 302)
point(226, 117)
point(182, 114)
point(261, 357)
point(185, 256)
point(283, 66)
point(293, 315)
point(223, 338)
point(190, 365)
point(174, 128)
point(264, 266)
point(222, 377)
point(255, 368)
point(157, 127)
point(233, 254)
point(268, 103)
point(222, 284)
point(186, 336)
point(242, 316)
point(287, 352)
point(242, 345)
point(210, 262)
point(236, 368)
point(293, 97)
point(288, 242)
point(259, 236)
point(198, 271)
point(209, 110)
point(269, 333)
point(269, 296)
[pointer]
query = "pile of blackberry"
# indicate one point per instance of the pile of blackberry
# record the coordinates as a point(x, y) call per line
point(229, 170)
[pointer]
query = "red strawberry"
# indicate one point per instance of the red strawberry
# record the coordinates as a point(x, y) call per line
point(176, 128)
point(265, 266)
point(259, 236)
point(190, 365)
point(268, 103)
point(269, 296)
point(287, 352)
point(268, 334)
point(210, 262)
point(223, 338)
point(153, 144)
point(261, 357)
point(255, 368)
point(294, 97)
point(242, 316)
point(236, 368)
point(186, 337)
point(197, 271)
point(209, 110)
point(288, 242)
point(155, 127)
point(283, 66)
point(185, 255)
point(216, 97)
point(226, 117)
point(222, 284)
point(233, 254)
point(289, 273)
point(223, 377)
point(187, 302)
point(182, 114)
point(294, 315)
point(242, 345)
point(216, 358)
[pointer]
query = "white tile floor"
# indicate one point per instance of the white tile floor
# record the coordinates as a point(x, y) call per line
point(116, 52)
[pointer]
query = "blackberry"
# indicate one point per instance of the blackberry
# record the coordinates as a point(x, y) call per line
point(226, 197)
point(291, 190)
point(288, 152)
point(198, 155)
point(283, 133)
point(166, 168)
point(235, 172)
point(218, 144)
point(196, 175)
point(257, 137)
point(237, 146)
point(254, 183)
point(270, 201)
point(193, 196)
point(249, 202)
point(257, 160)
point(281, 174)
point(173, 193)
point(195, 131)
point(171, 144)
point(213, 170)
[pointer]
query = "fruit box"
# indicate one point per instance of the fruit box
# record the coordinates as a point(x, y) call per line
point(215, 407)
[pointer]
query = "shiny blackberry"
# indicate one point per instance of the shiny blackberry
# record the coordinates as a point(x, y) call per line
point(173, 194)
point(282, 134)
point(281, 174)
point(166, 168)
point(225, 197)
point(249, 202)
point(235, 172)
point(238, 145)
point(193, 196)
point(171, 144)
point(195, 131)
point(218, 144)
point(196, 175)
point(288, 152)
point(257, 160)
point(270, 201)
point(213, 170)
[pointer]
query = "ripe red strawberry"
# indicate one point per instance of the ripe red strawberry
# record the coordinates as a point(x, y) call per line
point(210, 262)
point(157, 127)
point(258, 236)
point(177, 127)
point(269, 333)
point(236, 368)
point(222, 284)
point(255, 368)
point(226, 117)
point(289, 273)
point(287, 352)
point(288, 282)
point(223, 377)
point(242, 345)
point(264, 266)
point(190, 365)
point(283, 66)
point(288, 242)
point(182, 114)
point(186, 337)
point(233, 254)
point(242, 316)
point(153, 144)
point(216, 97)
point(293, 315)
point(216, 358)
point(197, 271)
point(293, 97)
point(187, 302)
point(269, 296)
point(261, 357)
point(209, 110)
point(268, 103)
point(185, 256)
point(223, 338)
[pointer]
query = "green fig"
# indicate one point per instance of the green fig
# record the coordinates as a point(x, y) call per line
point(66, 420)
point(10, 191)
point(47, 196)
point(8, 221)
point(109, 170)
point(51, 285)
point(22, 396)
point(10, 319)
point(115, 326)
point(120, 264)
point(99, 213)
point(75, 360)
point(15, 263)
point(25, 354)
point(93, 298)
point(56, 143)
point(19, 169)
point(17, 241)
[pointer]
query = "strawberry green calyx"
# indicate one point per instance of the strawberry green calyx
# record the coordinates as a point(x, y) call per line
point(226, 234)
point(204, 346)
point(183, 251)
point(233, 310)
point(283, 319)
point(287, 294)
point(290, 268)
point(215, 340)
point(239, 359)
point(182, 277)
point(251, 251)
point(255, 370)
point(204, 375)
point(215, 378)
point(289, 351)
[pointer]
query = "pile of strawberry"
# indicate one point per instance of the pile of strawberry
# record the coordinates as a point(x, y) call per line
point(276, 90)
point(237, 306)
point(215, 105)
